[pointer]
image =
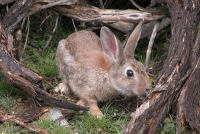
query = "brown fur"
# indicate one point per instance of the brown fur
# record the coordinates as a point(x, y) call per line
point(94, 72)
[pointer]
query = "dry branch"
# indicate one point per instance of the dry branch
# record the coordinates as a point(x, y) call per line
point(120, 19)
point(17, 12)
point(3, 2)
point(156, 10)
point(150, 45)
point(91, 14)
point(51, 4)
point(13, 119)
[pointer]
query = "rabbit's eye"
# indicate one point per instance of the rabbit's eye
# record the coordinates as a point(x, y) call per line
point(129, 73)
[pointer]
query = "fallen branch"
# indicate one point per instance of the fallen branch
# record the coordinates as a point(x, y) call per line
point(92, 14)
point(10, 118)
point(51, 4)
point(3, 2)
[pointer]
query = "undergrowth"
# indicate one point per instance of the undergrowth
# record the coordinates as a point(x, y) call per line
point(41, 62)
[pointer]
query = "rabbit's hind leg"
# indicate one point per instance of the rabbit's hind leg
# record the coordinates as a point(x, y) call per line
point(91, 102)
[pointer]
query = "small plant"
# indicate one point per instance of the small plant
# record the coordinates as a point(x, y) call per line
point(7, 90)
point(42, 63)
point(168, 127)
point(7, 102)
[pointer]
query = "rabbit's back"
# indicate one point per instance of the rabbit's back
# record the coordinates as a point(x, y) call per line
point(82, 64)
point(83, 42)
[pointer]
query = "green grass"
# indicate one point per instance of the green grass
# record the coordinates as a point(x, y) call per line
point(53, 128)
point(87, 124)
point(7, 102)
point(5, 88)
point(109, 123)
point(9, 128)
point(168, 127)
point(41, 62)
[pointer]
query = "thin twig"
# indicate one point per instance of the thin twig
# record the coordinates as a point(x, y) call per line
point(153, 35)
point(101, 5)
point(27, 34)
point(67, 2)
point(74, 25)
point(50, 37)
point(10, 118)
point(45, 20)
point(138, 6)
point(22, 24)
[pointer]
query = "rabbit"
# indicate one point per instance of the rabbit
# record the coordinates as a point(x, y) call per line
point(99, 69)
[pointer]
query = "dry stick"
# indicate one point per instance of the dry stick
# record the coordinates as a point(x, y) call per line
point(45, 19)
point(50, 37)
point(162, 10)
point(74, 25)
point(11, 118)
point(89, 14)
point(153, 35)
point(101, 4)
point(22, 24)
point(67, 2)
point(28, 26)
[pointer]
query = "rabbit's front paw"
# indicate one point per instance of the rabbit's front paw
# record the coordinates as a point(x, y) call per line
point(62, 88)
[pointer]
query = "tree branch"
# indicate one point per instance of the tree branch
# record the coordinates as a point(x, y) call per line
point(106, 16)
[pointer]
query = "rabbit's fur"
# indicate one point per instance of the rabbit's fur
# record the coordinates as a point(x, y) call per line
point(95, 69)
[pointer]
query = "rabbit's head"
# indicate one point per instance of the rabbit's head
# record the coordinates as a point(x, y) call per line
point(126, 74)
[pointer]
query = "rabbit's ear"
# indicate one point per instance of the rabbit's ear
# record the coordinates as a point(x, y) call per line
point(132, 41)
point(111, 45)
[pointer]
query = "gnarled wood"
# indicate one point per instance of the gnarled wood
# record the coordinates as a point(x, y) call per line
point(16, 14)
point(99, 15)
point(176, 76)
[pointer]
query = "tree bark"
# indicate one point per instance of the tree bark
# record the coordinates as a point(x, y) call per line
point(178, 80)
point(16, 14)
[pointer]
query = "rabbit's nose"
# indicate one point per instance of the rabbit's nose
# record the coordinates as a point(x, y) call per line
point(146, 92)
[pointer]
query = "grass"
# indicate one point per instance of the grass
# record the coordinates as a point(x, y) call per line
point(5, 88)
point(7, 101)
point(10, 128)
point(6, 95)
point(41, 62)
point(83, 123)
point(52, 127)
point(168, 127)
point(109, 123)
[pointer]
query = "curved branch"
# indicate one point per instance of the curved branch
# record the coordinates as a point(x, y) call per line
point(88, 14)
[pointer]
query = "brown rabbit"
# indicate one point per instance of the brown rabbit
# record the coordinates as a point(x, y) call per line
point(98, 69)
